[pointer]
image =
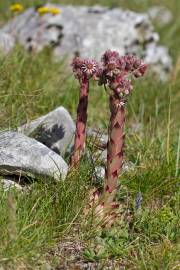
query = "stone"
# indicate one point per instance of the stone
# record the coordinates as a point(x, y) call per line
point(24, 156)
point(136, 127)
point(8, 183)
point(55, 130)
point(98, 138)
point(89, 31)
point(128, 166)
point(99, 172)
point(156, 57)
point(161, 15)
point(7, 43)
point(47, 266)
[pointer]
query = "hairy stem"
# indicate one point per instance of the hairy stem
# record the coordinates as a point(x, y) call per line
point(80, 135)
point(115, 147)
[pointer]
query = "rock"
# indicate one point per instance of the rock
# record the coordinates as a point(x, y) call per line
point(138, 201)
point(99, 172)
point(78, 30)
point(157, 56)
point(99, 141)
point(8, 183)
point(47, 266)
point(161, 15)
point(55, 130)
point(136, 128)
point(7, 42)
point(128, 166)
point(20, 155)
point(97, 138)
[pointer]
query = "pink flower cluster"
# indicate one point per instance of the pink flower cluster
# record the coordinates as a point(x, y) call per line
point(116, 72)
point(113, 71)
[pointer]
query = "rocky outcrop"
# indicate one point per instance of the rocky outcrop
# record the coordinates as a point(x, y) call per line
point(89, 31)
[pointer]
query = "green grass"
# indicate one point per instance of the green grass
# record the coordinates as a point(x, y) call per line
point(31, 225)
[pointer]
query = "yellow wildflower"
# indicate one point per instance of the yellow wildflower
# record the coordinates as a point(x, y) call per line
point(55, 11)
point(43, 10)
point(16, 7)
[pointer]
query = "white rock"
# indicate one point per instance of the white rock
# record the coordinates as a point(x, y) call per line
point(161, 15)
point(55, 129)
point(7, 42)
point(9, 183)
point(21, 155)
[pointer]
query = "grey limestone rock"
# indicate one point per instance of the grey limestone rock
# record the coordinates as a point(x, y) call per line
point(98, 138)
point(7, 42)
point(160, 14)
point(55, 130)
point(128, 166)
point(8, 183)
point(89, 31)
point(136, 127)
point(21, 155)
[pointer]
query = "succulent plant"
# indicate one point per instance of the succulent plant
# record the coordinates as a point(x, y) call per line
point(115, 74)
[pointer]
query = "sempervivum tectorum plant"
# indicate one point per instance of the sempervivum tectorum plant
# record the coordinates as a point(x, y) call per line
point(115, 75)
point(84, 70)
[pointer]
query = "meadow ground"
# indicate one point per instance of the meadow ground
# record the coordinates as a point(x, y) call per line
point(51, 215)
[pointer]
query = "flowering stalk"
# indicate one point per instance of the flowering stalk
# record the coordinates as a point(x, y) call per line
point(81, 122)
point(115, 146)
point(83, 70)
point(115, 75)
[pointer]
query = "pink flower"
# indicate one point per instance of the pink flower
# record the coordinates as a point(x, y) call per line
point(137, 63)
point(122, 63)
point(125, 86)
point(85, 68)
point(130, 61)
point(140, 71)
point(110, 61)
point(89, 67)
point(109, 55)
point(77, 67)
point(134, 65)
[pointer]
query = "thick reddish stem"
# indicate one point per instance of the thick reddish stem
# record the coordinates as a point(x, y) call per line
point(115, 147)
point(80, 135)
